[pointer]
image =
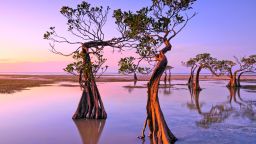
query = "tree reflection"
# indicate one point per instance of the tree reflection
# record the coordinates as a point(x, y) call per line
point(220, 112)
point(249, 108)
point(167, 91)
point(194, 104)
point(90, 130)
point(164, 88)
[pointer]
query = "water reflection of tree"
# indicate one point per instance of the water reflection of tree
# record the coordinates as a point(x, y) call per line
point(165, 88)
point(90, 130)
point(219, 113)
point(194, 104)
point(250, 102)
point(250, 107)
point(130, 89)
point(168, 68)
point(167, 91)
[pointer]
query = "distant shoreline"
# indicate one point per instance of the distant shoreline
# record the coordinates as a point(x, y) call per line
point(13, 83)
point(120, 78)
point(105, 74)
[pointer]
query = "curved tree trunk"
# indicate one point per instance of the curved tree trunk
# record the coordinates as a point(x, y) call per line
point(196, 85)
point(191, 77)
point(232, 80)
point(159, 130)
point(90, 105)
point(90, 130)
point(239, 78)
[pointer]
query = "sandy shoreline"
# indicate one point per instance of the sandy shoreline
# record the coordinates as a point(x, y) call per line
point(14, 83)
point(118, 78)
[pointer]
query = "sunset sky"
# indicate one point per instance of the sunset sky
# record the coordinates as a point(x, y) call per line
point(224, 28)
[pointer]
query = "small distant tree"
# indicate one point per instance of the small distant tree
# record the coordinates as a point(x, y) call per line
point(192, 64)
point(128, 65)
point(243, 65)
point(168, 68)
point(85, 26)
point(227, 65)
point(201, 61)
point(152, 29)
point(248, 65)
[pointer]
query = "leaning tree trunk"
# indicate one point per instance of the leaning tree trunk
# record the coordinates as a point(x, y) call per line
point(158, 129)
point(90, 105)
point(191, 77)
point(239, 78)
point(232, 80)
point(196, 85)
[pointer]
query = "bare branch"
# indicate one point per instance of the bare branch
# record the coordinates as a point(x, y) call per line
point(53, 50)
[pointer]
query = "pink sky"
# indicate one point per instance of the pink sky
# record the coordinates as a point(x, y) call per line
point(224, 29)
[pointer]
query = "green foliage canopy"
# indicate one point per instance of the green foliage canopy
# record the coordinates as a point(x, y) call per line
point(150, 27)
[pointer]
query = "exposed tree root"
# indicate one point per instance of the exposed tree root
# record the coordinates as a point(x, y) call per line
point(90, 105)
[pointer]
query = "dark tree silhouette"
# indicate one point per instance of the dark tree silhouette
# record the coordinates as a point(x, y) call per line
point(151, 27)
point(247, 65)
point(131, 65)
point(190, 63)
point(236, 70)
point(85, 26)
point(202, 61)
point(168, 68)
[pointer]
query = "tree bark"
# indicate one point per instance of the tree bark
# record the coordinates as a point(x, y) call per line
point(191, 77)
point(90, 105)
point(232, 80)
point(196, 85)
point(239, 78)
point(159, 130)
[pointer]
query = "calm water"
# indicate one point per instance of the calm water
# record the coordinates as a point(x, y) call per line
point(42, 115)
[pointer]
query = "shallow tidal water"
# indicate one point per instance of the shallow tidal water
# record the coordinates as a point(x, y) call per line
point(42, 115)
